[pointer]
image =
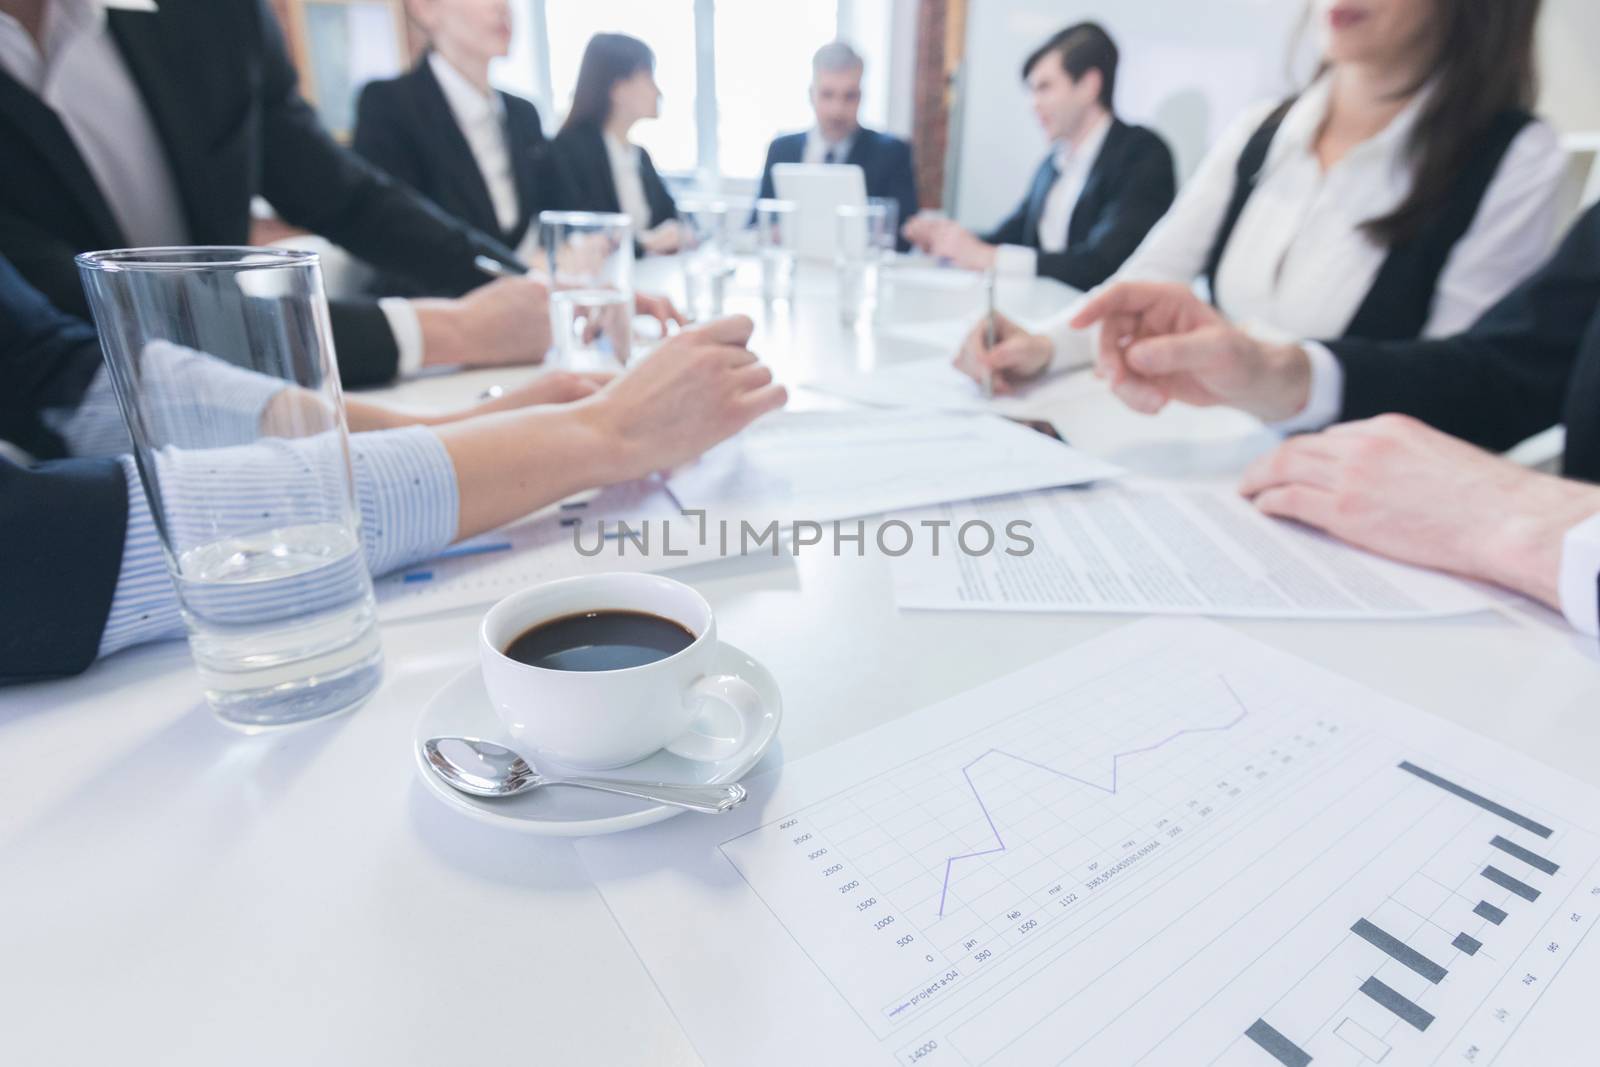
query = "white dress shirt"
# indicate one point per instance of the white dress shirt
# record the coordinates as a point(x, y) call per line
point(818, 149)
point(1298, 264)
point(1073, 164)
point(79, 73)
point(482, 119)
point(624, 158)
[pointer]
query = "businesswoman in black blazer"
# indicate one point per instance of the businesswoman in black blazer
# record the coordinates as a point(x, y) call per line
point(597, 167)
point(442, 129)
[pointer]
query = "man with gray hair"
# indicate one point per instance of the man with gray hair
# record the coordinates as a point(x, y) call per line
point(839, 137)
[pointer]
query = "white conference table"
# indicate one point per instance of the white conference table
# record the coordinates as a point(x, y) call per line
point(177, 893)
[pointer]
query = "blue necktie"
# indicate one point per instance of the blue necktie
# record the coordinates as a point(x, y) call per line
point(832, 156)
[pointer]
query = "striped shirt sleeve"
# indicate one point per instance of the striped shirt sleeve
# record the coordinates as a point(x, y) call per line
point(406, 494)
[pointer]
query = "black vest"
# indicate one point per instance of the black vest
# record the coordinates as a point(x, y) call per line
point(1398, 305)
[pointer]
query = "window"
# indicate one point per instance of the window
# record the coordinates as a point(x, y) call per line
point(751, 57)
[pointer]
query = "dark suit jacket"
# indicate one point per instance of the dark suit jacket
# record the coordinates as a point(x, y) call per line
point(61, 524)
point(885, 161)
point(1130, 186)
point(582, 176)
point(1532, 361)
point(404, 127)
point(222, 93)
point(47, 361)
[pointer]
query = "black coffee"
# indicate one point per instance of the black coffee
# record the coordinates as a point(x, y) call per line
point(600, 641)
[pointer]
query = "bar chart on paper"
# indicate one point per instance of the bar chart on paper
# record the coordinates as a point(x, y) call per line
point(1214, 854)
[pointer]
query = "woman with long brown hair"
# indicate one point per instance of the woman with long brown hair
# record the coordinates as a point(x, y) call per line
point(1402, 193)
point(598, 168)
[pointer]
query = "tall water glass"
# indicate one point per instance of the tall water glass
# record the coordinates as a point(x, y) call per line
point(589, 257)
point(707, 258)
point(889, 236)
point(223, 364)
point(775, 245)
point(859, 256)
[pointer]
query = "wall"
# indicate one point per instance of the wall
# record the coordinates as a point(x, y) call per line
point(1188, 67)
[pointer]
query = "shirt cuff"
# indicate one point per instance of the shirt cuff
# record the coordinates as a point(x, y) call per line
point(406, 488)
point(1325, 397)
point(1580, 576)
point(407, 330)
point(1016, 260)
point(145, 604)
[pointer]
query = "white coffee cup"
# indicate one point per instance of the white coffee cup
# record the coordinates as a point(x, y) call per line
point(596, 720)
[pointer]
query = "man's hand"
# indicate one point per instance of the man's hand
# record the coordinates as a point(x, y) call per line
point(923, 228)
point(1160, 342)
point(1405, 490)
point(1016, 357)
point(962, 248)
point(503, 323)
point(695, 390)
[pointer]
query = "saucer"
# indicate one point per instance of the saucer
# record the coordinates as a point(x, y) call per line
point(462, 709)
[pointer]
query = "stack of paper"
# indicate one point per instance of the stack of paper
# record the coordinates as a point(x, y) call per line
point(821, 466)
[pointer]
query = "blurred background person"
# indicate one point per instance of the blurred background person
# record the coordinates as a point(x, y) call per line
point(839, 137)
point(446, 132)
point(596, 166)
point(1093, 199)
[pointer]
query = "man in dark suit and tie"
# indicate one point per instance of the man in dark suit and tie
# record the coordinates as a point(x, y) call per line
point(1093, 199)
point(1392, 472)
point(839, 137)
point(126, 124)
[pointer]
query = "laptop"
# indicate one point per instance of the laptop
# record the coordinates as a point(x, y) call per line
point(818, 190)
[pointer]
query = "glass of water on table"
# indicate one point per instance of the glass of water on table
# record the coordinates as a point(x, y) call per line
point(775, 244)
point(223, 365)
point(707, 257)
point(589, 257)
point(863, 238)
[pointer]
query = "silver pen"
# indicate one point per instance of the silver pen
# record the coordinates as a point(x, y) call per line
point(991, 337)
point(496, 269)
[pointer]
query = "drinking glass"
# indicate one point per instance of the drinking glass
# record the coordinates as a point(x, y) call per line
point(707, 260)
point(889, 236)
point(860, 253)
point(222, 362)
point(589, 257)
point(775, 245)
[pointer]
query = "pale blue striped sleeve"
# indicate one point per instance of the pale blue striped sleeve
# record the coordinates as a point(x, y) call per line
point(194, 390)
point(405, 491)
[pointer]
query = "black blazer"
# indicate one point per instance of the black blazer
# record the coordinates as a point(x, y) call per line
point(1532, 361)
point(61, 524)
point(1131, 185)
point(404, 127)
point(222, 94)
point(582, 176)
point(885, 162)
point(47, 361)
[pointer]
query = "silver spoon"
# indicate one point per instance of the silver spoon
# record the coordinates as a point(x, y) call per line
point(485, 769)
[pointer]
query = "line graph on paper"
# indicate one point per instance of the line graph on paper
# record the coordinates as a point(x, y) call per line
point(1180, 854)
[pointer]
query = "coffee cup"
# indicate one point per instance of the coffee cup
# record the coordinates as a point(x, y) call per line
point(563, 708)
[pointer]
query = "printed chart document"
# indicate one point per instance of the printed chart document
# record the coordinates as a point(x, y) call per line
point(1149, 548)
point(541, 548)
point(1170, 845)
point(824, 465)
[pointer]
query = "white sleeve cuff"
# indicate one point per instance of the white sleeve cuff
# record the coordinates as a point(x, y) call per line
point(407, 332)
point(1325, 398)
point(1014, 260)
point(1580, 572)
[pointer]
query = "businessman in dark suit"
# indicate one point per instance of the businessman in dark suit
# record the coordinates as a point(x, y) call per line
point(1094, 198)
point(1402, 479)
point(149, 127)
point(839, 137)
